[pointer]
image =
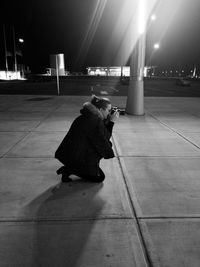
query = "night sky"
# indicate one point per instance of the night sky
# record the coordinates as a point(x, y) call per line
point(94, 32)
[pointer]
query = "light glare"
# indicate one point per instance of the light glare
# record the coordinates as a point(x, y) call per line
point(141, 14)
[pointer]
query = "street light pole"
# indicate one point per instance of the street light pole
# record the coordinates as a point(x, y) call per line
point(135, 98)
point(57, 75)
point(5, 47)
point(14, 50)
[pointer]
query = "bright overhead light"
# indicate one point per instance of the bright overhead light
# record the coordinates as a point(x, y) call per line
point(21, 40)
point(156, 46)
point(153, 17)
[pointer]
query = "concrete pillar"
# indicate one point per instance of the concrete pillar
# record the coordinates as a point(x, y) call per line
point(135, 98)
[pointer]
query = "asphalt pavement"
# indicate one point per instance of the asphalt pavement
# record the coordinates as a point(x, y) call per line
point(147, 211)
point(87, 85)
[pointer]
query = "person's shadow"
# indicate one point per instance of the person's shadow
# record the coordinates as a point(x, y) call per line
point(65, 216)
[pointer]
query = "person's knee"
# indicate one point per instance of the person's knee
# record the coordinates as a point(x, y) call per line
point(99, 179)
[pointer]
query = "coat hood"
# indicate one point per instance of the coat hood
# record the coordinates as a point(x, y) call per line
point(90, 109)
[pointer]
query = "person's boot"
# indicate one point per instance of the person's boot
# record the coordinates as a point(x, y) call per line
point(61, 170)
point(65, 174)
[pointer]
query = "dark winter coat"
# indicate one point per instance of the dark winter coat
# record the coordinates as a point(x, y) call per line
point(86, 142)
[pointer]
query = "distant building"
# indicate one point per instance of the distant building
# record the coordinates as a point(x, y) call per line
point(109, 71)
point(57, 61)
point(123, 71)
point(10, 75)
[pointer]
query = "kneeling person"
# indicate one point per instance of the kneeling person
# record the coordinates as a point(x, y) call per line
point(88, 141)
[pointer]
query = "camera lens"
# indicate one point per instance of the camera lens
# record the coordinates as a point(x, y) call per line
point(113, 110)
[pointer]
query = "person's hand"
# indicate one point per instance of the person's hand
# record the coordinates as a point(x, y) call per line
point(114, 116)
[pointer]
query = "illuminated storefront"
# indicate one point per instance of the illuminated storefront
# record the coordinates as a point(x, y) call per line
point(10, 75)
point(123, 71)
point(109, 71)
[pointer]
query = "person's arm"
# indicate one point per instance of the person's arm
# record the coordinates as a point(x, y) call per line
point(109, 126)
point(109, 123)
point(100, 141)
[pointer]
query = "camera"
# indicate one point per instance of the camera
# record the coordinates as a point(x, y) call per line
point(114, 109)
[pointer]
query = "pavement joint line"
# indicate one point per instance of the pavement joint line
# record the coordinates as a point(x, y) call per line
point(27, 133)
point(65, 219)
point(36, 131)
point(187, 140)
point(146, 255)
point(168, 218)
point(32, 131)
point(36, 157)
point(139, 156)
point(52, 157)
point(44, 118)
point(21, 220)
point(173, 130)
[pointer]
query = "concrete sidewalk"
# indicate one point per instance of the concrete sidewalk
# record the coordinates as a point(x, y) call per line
point(146, 213)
